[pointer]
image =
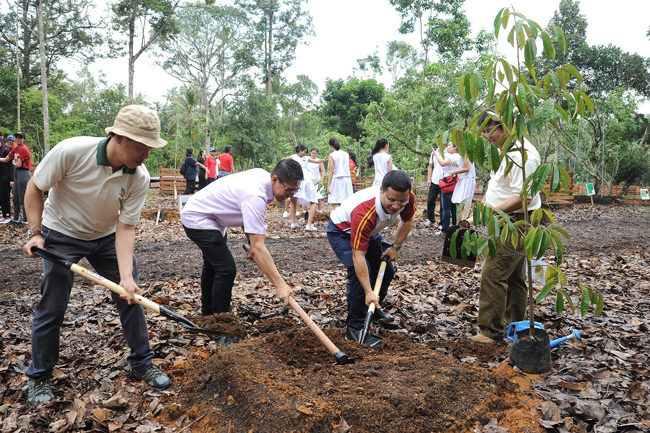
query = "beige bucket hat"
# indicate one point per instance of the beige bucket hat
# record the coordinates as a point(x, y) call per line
point(138, 123)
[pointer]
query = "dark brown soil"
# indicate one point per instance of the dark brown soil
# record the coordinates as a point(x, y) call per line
point(425, 377)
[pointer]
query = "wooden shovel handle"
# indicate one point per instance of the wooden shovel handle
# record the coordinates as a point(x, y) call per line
point(380, 279)
point(96, 278)
point(315, 329)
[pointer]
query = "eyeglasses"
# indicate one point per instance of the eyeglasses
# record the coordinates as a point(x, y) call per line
point(393, 201)
point(290, 191)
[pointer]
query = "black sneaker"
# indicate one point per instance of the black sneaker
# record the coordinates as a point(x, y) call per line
point(382, 316)
point(154, 377)
point(40, 391)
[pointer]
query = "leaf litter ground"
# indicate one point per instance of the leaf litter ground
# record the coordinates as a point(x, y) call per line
point(424, 377)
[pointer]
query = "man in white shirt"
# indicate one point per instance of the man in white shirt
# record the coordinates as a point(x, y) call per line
point(434, 174)
point(238, 200)
point(97, 188)
point(503, 295)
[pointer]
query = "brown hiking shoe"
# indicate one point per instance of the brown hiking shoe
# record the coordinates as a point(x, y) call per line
point(483, 339)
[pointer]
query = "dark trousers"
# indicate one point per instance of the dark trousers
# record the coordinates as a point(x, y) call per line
point(219, 270)
point(55, 296)
point(5, 194)
point(202, 181)
point(190, 186)
point(434, 191)
point(448, 211)
point(356, 296)
point(21, 178)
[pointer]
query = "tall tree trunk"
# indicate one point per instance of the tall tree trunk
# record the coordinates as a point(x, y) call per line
point(131, 56)
point(46, 112)
point(26, 45)
point(17, 84)
point(269, 54)
point(208, 127)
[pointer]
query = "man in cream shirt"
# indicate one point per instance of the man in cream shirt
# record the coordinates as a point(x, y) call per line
point(97, 188)
point(503, 294)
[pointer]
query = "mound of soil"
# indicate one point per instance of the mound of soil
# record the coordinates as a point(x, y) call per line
point(285, 380)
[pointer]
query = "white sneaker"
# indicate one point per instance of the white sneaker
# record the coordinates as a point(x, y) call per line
point(439, 232)
point(427, 223)
point(5, 220)
point(293, 225)
point(311, 228)
point(285, 214)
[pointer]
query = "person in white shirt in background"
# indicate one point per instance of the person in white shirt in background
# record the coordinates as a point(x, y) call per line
point(434, 174)
point(339, 184)
point(448, 163)
point(318, 174)
point(465, 187)
point(382, 161)
point(308, 194)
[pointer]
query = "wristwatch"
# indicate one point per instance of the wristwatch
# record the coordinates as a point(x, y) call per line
point(33, 233)
point(397, 247)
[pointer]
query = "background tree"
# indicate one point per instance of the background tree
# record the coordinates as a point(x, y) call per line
point(295, 99)
point(400, 57)
point(441, 23)
point(148, 20)
point(210, 49)
point(280, 25)
point(345, 105)
point(71, 31)
point(371, 64)
point(250, 126)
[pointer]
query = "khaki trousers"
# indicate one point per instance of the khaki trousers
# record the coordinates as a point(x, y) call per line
point(503, 294)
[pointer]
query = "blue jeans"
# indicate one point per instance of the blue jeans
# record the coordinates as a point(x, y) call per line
point(55, 296)
point(219, 270)
point(448, 211)
point(224, 173)
point(356, 296)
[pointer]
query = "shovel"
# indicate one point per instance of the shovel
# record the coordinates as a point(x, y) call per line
point(146, 303)
point(373, 340)
point(340, 357)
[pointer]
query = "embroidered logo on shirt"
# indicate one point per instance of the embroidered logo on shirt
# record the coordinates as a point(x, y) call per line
point(122, 193)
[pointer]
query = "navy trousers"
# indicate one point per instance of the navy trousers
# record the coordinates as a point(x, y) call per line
point(356, 296)
point(55, 296)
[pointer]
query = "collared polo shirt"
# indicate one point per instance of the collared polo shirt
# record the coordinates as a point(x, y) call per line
point(363, 216)
point(86, 198)
point(238, 200)
point(500, 188)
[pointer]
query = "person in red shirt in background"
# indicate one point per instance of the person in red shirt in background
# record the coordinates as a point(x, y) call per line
point(211, 164)
point(226, 163)
point(354, 170)
point(6, 178)
point(22, 161)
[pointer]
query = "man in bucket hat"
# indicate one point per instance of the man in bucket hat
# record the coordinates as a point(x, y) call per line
point(97, 188)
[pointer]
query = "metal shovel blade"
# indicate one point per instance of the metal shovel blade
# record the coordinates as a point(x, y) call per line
point(354, 334)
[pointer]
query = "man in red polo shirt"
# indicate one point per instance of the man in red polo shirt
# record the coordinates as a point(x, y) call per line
point(211, 164)
point(226, 162)
point(22, 161)
point(354, 234)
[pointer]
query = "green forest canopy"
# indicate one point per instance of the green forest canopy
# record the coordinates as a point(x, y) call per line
point(235, 90)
